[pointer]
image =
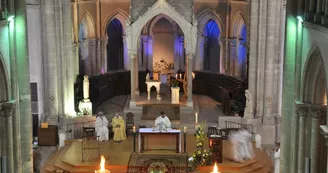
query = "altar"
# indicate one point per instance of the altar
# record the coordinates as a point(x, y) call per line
point(159, 140)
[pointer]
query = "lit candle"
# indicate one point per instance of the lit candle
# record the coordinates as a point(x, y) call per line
point(185, 129)
point(180, 76)
point(196, 118)
point(176, 76)
point(215, 169)
point(134, 129)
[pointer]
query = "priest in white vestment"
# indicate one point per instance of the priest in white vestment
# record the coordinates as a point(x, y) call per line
point(162, 122)
point(242, 146)
point(101, 127)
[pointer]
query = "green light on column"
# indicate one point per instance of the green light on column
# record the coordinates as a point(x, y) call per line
point(300, 19)
point(10, 18)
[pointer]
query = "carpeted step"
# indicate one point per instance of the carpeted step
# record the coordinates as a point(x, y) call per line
point(49, 167)
point(251, 168)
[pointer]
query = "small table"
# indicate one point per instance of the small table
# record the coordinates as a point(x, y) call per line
point(156, 136)
point(156, 84)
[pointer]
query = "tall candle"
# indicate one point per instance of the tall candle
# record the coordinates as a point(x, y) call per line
point(196, 118)
point(134, 129)
point(180, 76)
point(176, 76)
point(185, 129)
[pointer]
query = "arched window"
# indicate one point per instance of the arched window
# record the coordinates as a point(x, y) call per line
point(115, 59)
point(211, 46)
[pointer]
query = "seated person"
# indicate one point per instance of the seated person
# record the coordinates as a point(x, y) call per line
point(162, 122)
point(241, 146)
point(101, 127)
point(118, 128)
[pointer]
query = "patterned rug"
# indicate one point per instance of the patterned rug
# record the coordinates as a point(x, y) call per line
point(152, 111)
point(147, 163)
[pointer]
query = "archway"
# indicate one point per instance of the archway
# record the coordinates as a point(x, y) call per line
point(211, 46)
point(314, 93)
point(115, 57)
point(4, 94)
point(238, 56)
point(86, 32)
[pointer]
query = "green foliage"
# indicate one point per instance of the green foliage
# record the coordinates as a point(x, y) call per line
point(175, 83)
point(200, 157)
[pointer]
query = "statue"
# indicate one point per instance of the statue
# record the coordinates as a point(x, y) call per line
point(249, 105)
point(86, 89)
point(147, 77)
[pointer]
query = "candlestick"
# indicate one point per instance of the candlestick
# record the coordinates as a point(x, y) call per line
point(134, 129)
point(185, 129)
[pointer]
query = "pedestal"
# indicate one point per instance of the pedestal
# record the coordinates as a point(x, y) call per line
point(156, 84)
point(85, 108)
point(175, 95)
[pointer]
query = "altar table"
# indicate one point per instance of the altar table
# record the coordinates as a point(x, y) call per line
point(159, 139)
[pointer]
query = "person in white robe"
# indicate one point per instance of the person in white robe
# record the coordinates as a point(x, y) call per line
point(258, 139)
point(277, 161)
point(101, 127)
point(162, 122)
point(242, 146)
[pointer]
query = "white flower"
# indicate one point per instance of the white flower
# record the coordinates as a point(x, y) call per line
point(191, 159)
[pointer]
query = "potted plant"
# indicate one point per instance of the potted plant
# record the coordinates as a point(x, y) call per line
point(175, 84)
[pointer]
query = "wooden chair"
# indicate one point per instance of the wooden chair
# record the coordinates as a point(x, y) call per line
point(129, 123)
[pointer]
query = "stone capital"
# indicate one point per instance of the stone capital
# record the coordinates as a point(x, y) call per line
point(132, 53)
point(222, 41)
point(324, 132)
point(190, 55)
point(317, 112)
point(8, 108)
point(301, 111)
point(232, 42)
point(93, 41)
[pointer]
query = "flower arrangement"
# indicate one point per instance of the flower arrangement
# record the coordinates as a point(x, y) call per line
point(175, 83)
point(200, 157)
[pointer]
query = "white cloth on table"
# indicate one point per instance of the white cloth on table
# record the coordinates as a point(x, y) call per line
point(277, 161)
point(102, 128)
point(242, 146)
point(162, 123)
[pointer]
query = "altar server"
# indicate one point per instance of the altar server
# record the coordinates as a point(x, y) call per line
point(162, 122)
point(118, 128)
point(101, 127)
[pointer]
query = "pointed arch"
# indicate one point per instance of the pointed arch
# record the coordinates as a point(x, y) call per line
point(238, 24)
point(4, 80)
point(149, 26)
point(314, 78)
point(88, 25)
point(206, 15)
point(118, 14)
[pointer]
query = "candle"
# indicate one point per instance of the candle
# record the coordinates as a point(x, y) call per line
point(196, 118)
point(180, 76)
point(185, 129)
point(134, 129)
point(176, 76)
point(215, 169)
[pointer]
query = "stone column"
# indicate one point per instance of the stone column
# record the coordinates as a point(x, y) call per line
point(132, 56)
point(301, 140)
point(150, 51)
point(324, 20)
point(136, 71)
point(324, 132)
point(326, 7)
point(232, 57)
point(125, 55)
point(8, 109)
point(223, 48)
point(189, 78)
point(104, 42)
point(23, 75)
point(181, 54)
point(145, 51)
point(99, 58)
point(315, 116)
point(92, 46)
point(319, 7)
point(294, 138)
point(76, 60)
point(199, 59)
point(312, 6)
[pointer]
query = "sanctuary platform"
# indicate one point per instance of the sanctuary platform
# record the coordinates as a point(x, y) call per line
point(119, 156)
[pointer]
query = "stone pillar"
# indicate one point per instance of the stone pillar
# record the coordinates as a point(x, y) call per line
point(99, 58)
point(315, 116)
point(319, 7)
point(232, 57)
point(181, 54)
point(326, 7)
point(199, 59)
point(223, 48)
point(8, 110)
point(104, 42)
point(145, 51)
point(324, 20)
point(92, 63)
point(136, 71)
point(301, 141)
point(125, 55)
point(312, 6)
point(23, 75)
point(294, 139)
point(150, 51)
point(76, 60)
point(190, 79)
point(324, 132)
point(133, 56)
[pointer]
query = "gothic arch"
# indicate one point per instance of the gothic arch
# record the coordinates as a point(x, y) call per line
point(117, 14)
point(148, 28)
point(314, 78)
point(4, 88)
point(161, 7)
point(204, 16)
point(238, 23)
point(88, 25)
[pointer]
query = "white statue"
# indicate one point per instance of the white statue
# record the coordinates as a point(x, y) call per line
point(249, 105)
point(86, 89)
point(147, 77)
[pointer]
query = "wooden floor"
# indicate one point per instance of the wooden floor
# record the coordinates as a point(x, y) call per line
point(117, 157)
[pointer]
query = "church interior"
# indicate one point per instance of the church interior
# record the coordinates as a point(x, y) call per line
point(163, 86)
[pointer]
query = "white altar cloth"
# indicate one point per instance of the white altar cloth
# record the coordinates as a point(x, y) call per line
point(150, 130)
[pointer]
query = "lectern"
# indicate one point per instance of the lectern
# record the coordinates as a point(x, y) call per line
point(216, 143)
